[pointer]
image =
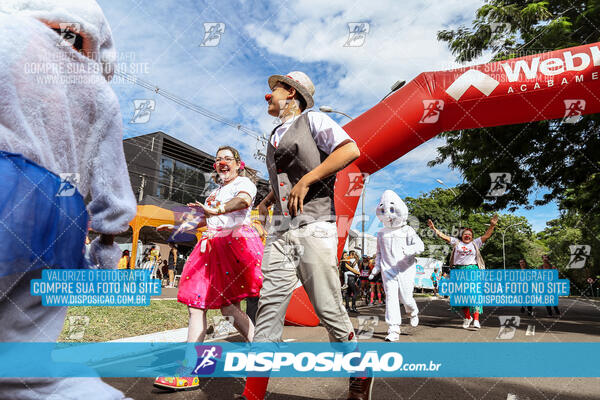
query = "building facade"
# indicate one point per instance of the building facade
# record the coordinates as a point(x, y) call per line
point(167, 172)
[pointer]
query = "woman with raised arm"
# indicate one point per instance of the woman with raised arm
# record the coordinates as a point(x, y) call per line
point(466, 255)
point(224, 267)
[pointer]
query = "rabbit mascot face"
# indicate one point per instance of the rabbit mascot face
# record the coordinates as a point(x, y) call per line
point(392, 211)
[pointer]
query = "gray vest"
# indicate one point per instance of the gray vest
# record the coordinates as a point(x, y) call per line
point(295, 156)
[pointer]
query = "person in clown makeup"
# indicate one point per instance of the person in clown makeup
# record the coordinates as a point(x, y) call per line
point(224, 267)
point(397, 246)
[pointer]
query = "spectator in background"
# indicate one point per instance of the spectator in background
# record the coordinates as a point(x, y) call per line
point(434, 280)
point(172, 262)
point(365, 270)
point(164, 273)
point(341, 267)
point(156, 260)
point(346, 266)
point(547, 265)
point(124, 261)
point(376, 284)
point(351, 275)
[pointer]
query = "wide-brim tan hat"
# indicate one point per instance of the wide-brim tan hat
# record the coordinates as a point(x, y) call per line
point(299, 81)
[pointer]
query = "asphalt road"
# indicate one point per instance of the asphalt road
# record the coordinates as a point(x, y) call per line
point(579, 322)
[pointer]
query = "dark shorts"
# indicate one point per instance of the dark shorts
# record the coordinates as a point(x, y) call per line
point(376, 279)
point(171, 267)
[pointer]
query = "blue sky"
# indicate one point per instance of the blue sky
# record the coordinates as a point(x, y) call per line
point(160, 42)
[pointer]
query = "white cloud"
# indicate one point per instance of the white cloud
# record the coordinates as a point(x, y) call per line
point(400, 44)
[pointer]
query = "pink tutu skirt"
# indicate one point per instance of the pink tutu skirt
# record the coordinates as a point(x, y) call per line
point(223, 268)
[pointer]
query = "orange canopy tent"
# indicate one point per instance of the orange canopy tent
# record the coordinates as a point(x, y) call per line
point(149, 215)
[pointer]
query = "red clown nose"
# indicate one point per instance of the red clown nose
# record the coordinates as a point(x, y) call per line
point(268, 96)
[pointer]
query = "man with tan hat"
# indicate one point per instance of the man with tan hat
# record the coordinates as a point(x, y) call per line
point(304, 153)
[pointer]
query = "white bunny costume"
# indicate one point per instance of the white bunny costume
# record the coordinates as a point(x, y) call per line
point(397, 246)
point(58, 114)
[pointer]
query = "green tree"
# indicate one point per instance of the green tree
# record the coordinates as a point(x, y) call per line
point(559, 235)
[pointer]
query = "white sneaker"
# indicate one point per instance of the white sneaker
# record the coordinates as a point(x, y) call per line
point(467, 322)
point(392, 337)
point(344, 287)
point(476, 324)
point(414, 321)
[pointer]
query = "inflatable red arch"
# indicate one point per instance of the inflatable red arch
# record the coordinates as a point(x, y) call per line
point(560, 84)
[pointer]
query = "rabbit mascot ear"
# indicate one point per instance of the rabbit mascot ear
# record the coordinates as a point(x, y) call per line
point(82, 17)
point(392, 211)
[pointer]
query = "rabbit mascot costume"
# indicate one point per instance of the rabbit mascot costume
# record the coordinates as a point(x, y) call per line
point(397, 246)
point(59, 117)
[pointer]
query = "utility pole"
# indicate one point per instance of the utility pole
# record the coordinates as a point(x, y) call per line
point(363, 217)
point(142, 184)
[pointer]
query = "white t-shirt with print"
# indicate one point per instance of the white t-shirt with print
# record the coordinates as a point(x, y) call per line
point(222, 195)
point(326, 132)
point(465, 254)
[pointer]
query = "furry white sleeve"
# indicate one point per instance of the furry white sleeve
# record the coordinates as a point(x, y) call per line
point(113, 205)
